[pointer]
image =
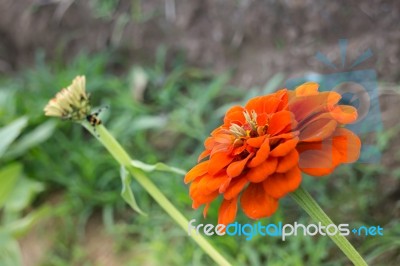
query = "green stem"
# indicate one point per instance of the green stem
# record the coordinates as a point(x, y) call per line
point(305, 200)
point(124, 159)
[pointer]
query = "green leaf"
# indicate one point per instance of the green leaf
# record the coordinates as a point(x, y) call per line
point(10, 254)
point(157, 167)
point(21, 226)
point(8, 178)
point(213, 90)
point(10, 132)
point(127, 193)
point(23, 193)
point(149, 122)
point(33, 138)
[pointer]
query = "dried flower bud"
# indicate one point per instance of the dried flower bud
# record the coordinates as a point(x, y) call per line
point(70, 103)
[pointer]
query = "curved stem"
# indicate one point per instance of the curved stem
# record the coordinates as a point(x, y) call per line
point(122, 157)
point(305, 200)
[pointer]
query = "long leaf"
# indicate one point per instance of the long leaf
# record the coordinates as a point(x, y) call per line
point(10, 253)
point(127, 193)
point(23, 194)
point(10, 132)
point(20, 227)
point(157, 167)
point(8, 178)
point(31, 139)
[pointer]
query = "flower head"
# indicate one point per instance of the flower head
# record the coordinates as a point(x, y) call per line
point(71, 102)
point(260, 150)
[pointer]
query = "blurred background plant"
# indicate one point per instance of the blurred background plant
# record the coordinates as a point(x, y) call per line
point(17, 190)
point(60, 190)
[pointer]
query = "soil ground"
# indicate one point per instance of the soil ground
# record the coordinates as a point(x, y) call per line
point(256, 38)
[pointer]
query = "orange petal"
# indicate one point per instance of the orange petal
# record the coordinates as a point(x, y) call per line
point(217, 131)
point(285, 147)
point(227, 211)
point(235, 187)
point(255, 104)
point(318, 158)
point(203, 199)
point(318, 130)
point(208, 184)
point(224, 185)
point(261, 155)
point(270, 104)
point(306, 89)
point(203, 155)
point(281, 120)
point(221, 147)
point(263, 104)
point(218, 161)
point(234, 115)
point(332, 97)
point(196, 171)
point(256, 203)
point(305, 106)
point(347, 144)
point(289, 135)
point(223, 138)
point(206, 210)
point(209, 143)
point(236, 168)
point(239, 150)
point(288, 162)
point(344, 114)
point(259, 173)
point(256, 142)
point(323, 114)
point(193, 189)
point(283, 97)
point(278, 185)
point(262, 119)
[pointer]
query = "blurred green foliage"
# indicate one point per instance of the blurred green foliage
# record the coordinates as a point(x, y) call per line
point(161, 112)
point(16, 190)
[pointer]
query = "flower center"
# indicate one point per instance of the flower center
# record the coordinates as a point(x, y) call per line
point(251, 119)
point(250, 129)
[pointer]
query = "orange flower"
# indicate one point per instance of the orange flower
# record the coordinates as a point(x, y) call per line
point(262, 148)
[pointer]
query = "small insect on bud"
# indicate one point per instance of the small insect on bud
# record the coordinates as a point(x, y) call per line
point(94, 119)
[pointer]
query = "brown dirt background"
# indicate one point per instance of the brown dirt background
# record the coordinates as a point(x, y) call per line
point(257, 39)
